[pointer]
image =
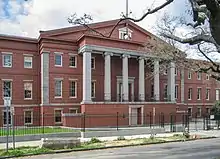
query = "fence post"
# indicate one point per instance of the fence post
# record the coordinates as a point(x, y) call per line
point(188, 123)
point(171, 122)
point(43, 116)
point(163, 122)
point(150, 119)
point(203, 122)
point(117, 121)
point(13, 129)
point(196, 121)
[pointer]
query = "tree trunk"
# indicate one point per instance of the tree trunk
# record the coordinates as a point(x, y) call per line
point(215, 27)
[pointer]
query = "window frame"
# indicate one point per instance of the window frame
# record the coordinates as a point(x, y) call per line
point(190, 93)
point(217, 90)
point(93, 66)
point(207, 92)
point(189, 74)
point(199, 113)
point(4, 118)
point(3, 92)
point(93, 89)
point(61, 59)
point(75, 56)
point(207, 75)
point(31, 91)
point(199, 93)
point(176, 91)
point(61, 112)
point(11, 59)
point(199, 75)
point(73, 109)
point(26, 56)
point(70, 90)
point(31, 117)
point(61, 87)
point(165, 91)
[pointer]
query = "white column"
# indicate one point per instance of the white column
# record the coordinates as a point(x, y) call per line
point(45, 78)
point(171, 82)
point(87, 79)
point(107, 87)
point(125, 76)
point(156, 80)
point(141, 79)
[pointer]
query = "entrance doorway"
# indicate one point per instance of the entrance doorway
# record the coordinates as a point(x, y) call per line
point(135, 115)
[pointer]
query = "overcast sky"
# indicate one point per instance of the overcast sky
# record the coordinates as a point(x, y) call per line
point(18, 17)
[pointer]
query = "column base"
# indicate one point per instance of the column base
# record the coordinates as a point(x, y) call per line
point(86, 102)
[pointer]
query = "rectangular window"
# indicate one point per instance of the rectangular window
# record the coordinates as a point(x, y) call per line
point(72, 61)
point(93, 62)
point(176, 92)
point(207, 77)
point(58, 116)
point(58, 88)
point(28, 117)
point(93, 90)
point(176, 71)
point(199, 112)
point(5, 118)
point(190, 112)
point(7, 60)
point(199, 75)
point(27, 62)
point(208, 110)
point(58, 59)
point(152, 91)
point(189, 75)
point(7, 88)
point(73, 88)
point(217, 94)
point(27, 90)
point(207, 93)
point(165, 91)
point(189, 93)
point(73, 111)
point(199, 90)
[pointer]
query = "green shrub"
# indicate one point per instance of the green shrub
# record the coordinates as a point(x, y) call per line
point(186, 135)
point(94, 140)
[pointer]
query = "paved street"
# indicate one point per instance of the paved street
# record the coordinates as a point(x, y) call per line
point(201, 149)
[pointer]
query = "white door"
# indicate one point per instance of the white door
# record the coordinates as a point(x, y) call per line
point(134, 116)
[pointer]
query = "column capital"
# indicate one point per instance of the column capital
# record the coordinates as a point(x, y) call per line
point(108, 53)
point(141, 58)
point(125, 55)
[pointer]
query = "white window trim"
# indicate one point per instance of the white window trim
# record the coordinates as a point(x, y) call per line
point(94, 63)
point(165, 85)
point(31, 91)
point(93, 81)
point(73, 55)
point(200, 113)
point(176, 95)
point(61, 54)
point(31, 62)
point(4, 54)
point(5, 80)
point(26, 110)
point(199, 77)
point(74, 109)
point(208, 93)
point(3, 118)
point(60, 109)
point(76, 84)
point(207, 75)
point(176, 71)
point(191, 111)
point(200, 93)
point(217, 89)
point(58, 79)
point(189, 75)
point(190, 93)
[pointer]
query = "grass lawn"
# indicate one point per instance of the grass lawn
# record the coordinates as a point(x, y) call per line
point(36, 130)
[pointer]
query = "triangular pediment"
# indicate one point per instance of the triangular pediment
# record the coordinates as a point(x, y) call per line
point(75, 32)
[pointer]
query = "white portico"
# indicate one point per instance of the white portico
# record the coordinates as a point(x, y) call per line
point(125, 84)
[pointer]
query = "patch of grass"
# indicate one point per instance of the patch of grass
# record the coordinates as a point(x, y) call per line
point(94, 140)
point(24, 151)
point(35, 130)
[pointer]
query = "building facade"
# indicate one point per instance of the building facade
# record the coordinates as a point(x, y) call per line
point(75, 70)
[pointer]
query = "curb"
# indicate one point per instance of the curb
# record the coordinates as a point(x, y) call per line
point(109, 147)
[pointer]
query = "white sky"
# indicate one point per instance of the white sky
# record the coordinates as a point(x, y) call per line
point(27, 18)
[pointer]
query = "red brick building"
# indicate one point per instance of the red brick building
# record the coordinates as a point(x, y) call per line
point(73, 70)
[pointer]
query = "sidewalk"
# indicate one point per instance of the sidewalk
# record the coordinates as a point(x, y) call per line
point(211, 133)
